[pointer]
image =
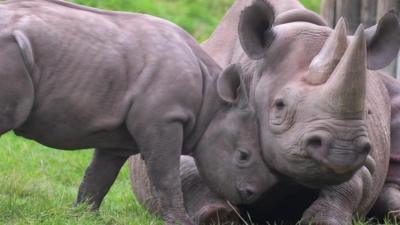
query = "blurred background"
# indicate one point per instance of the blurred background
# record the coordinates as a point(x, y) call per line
point(198, 17)
point(367, 12)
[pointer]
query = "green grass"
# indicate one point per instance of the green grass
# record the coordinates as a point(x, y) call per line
point(38, 185)
point(198, 17)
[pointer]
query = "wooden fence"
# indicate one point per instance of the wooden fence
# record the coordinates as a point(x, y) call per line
point(367, 12)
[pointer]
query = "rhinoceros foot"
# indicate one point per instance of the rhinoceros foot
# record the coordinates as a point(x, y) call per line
point(325, 221)
point(324, 213)
point(174, 219)
point(217, 214)
point(388, 203)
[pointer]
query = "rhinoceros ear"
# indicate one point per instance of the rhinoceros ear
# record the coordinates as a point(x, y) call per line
point(255, 29)
point(231, 87)
point(383, 41)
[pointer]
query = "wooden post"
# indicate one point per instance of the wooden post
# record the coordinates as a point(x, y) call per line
point(368, 12)
point(351, 11)
point(386, 5)
point(398, 67)
point(328, 11)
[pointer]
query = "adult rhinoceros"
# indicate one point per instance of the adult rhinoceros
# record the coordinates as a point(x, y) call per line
point(310, 93)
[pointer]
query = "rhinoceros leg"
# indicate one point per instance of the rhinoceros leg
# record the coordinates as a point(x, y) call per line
point(337, 204)
point(388, 202)
point(99, 176)
point(203, 206)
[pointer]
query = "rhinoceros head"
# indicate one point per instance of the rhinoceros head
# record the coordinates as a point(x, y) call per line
point(228, 155)
point(310, 93)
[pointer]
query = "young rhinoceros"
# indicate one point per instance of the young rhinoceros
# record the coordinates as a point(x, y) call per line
point(204, 200)
point(75, 77)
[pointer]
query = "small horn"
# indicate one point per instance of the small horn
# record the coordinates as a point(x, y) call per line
point(326, 61)
point(346, 88)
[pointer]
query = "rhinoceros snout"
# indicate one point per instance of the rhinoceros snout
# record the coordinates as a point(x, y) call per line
point(341, 157)
point(247, 193)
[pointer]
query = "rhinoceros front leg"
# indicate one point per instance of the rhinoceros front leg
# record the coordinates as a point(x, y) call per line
point(99, 176)
point(202, 205)
point(336, 205)
point(160, 145)
point(388, 203)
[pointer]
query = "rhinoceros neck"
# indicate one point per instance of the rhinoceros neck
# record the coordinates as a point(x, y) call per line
point(223, 42)
point(211, 102)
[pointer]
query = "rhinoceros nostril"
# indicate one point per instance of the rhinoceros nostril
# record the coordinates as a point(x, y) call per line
point(314, 143)
point(315, 147)
point(366, 148)
point(246, 193)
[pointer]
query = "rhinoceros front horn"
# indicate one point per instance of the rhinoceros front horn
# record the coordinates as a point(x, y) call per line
point(328, 58)
point(345, 90)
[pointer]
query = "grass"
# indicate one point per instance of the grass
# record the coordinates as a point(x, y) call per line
point(38, 185)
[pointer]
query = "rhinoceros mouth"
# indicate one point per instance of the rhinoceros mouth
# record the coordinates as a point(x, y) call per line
point(317, 172)
point(331, 179)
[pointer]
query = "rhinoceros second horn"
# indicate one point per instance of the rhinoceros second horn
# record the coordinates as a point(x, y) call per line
point(346, 87)
point(326, 61)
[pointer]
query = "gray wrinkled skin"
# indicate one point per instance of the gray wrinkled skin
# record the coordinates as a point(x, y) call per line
point(281, 74)
point(202, 205)
point(238, 130)
point(123, 83)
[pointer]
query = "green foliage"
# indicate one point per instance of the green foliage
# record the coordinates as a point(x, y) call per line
point(311, 4)
point(198, 17)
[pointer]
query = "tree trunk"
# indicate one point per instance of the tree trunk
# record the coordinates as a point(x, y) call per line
point(368, 12)
point(351, 10)
point(328, 11)
point(398, 67)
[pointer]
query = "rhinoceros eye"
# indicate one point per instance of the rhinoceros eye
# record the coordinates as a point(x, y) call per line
point(242, 157)
point(279, 110)
point(283, 108)
point(280, 104)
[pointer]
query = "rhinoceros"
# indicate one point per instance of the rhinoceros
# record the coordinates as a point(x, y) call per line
point(74, 77)
point(317, 111)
